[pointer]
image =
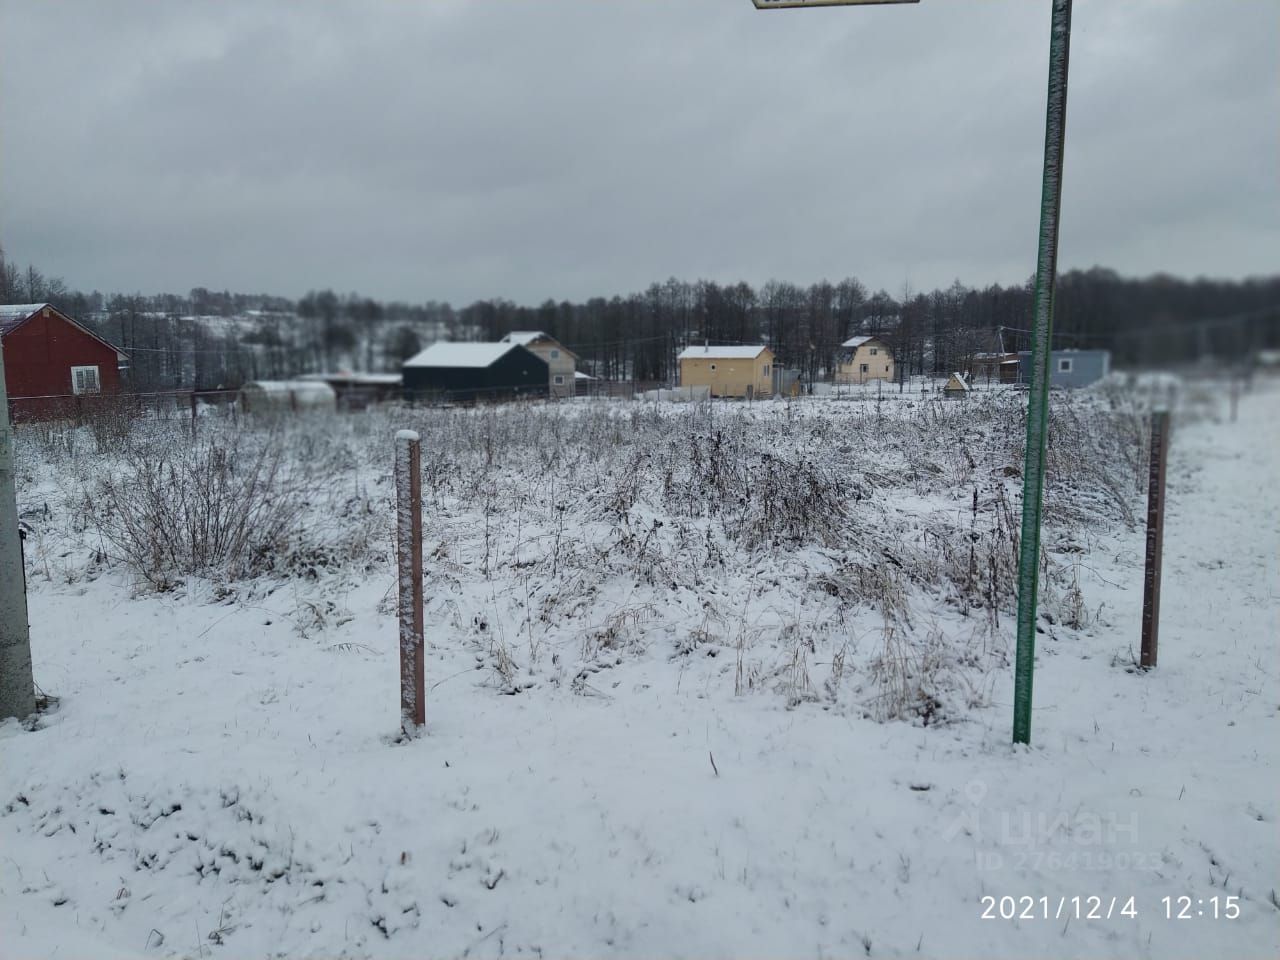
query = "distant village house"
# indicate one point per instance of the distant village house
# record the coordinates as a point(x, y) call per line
point(865, 359)
point(468, 372)
point(729, 371)
point(1067, 368)
point(561, 361)
point(52, 361)
point(1072, 368)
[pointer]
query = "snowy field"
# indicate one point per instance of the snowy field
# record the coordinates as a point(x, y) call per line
point(705, 681)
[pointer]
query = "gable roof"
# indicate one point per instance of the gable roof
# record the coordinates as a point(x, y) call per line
point(477, 355)
point(526, 337)
point(714, 352)
point(853, 343)
point(14, 315)
point(355, 379)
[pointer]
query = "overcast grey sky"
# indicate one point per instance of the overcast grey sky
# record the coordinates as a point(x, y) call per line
point(566, 148)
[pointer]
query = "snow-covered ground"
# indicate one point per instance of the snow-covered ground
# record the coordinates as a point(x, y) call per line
point(717, 705)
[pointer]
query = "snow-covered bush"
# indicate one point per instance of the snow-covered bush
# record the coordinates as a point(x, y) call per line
point(219, 506)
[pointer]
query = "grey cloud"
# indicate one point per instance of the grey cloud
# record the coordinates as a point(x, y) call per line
point(569, 147)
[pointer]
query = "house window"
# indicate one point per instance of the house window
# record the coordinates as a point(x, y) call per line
point(555, 354)
point(874, 351)
point(886, 368)
point(713, 366)
point(85, 380)
point(865, 368)
point(558, 380)
point(764, 371)
point(1064, 365)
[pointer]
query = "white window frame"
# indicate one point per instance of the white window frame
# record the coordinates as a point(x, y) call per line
point(864, 368)
point(558, 380)
point(764, 370)
point(1064, 364)
point(874, 351)
point(78, 384)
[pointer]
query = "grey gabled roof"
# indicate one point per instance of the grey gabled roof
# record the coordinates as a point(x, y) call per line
point(476, 355)
point(14, 315)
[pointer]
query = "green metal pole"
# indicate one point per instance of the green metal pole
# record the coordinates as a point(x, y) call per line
point(1041, 345)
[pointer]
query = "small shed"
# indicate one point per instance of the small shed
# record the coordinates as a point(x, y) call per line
point(998, 367)
point(956, 387)
point(287, 396)
point(1070, 368)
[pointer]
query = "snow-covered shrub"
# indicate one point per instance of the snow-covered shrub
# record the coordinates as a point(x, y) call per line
point(910, 673)
point(219, 506)
point(110, 420)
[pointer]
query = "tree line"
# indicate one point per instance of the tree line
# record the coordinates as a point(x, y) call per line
point(211, 339)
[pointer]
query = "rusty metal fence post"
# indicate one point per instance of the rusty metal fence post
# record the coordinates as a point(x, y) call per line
point(413, 694)
point(1155, 537)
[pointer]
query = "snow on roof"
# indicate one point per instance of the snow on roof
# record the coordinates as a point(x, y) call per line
point(22, 310)
point(12, 314)
point(525, 337)
point(346, 376)
point(714, 352)
point(853, 343)
point(460, 355)
point(579, 375)
point(307, 387)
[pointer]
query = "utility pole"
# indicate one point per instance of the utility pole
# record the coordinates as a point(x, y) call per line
point(1041, 344)
point(1041, 348)
point(17, 686)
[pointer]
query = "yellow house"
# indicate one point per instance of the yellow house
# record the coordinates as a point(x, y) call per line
point(728, 371)
point(868, 358)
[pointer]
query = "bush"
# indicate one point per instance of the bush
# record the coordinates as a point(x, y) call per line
point(214, 507)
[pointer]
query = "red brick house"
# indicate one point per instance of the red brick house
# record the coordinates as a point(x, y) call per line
point(51, 362)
